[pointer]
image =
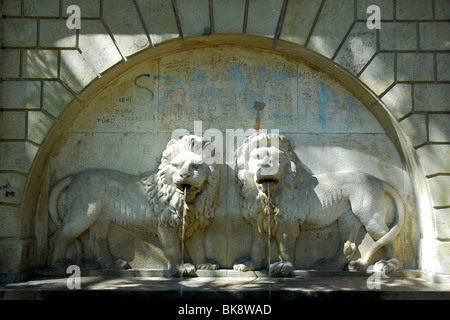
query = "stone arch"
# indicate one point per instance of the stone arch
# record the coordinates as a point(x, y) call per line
point(374, 75)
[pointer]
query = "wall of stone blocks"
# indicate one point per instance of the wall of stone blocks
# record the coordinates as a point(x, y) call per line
point(46, 66)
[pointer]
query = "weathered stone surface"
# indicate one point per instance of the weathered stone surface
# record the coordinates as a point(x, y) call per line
point(75, 71)
point(434, 159)
point(11, 8)
point(432, 97)
point(335, 19)
point(417, 66)
point(89, 8)
point(8, 221)
point(123, 21)
point(38, 125)
point(160, 20)
point(12, 125)
point(386, 9)
point(415, 126)
point(398, 36)
point(439, 190)
point(97, 46)
point(358, 48)
point(442, 217)
point(399, 99)
point(40, 64)
point(56, 97)
point(438, 127)
point(21, 94)
point(10, 63)
point(54, 33)
point(19, 32)
point(21, 155)
point(299, 19)
point(228, 16)
point(414, 10)
point(194, 17)
point(441, 10)
point(434, 35)
point(43, 8)
point(443, 66)
point(380, 73)
point(12, 187)
point(263, 17)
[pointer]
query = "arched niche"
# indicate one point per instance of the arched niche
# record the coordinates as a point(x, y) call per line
point(123, 121)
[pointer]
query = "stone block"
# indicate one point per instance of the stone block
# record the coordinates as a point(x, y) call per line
point(123, 20)
point(8, 221)
point(21, 94)
point(379, 74)
point(38, 125)
point(56, 97)
point(20, 156)
point(228, 16)
point(75, 71)
point(439, 127)
point(160, 20)
point(263, 16)
point(88, 8)
point(415, 126)
point(10, 63)
point(16, 255)
point(399, 99)
point(443, 66)
point(398, 36)
point(429, 97)
point(386, 9)
point(41, 8)
point(442, 217)
point(194, 17)
point(441, 10)
point(54, 33)
point(434, 35)
point(414, 10)
point(439, 187)
point(298, 20)
point(19, 32)
point(12, 125)
point(415, 66)
point(358, 48)
point(12, 8)
point(434, 158)
point(12, 186)
point(97, 46)
point(40, 64)
point(335, 19)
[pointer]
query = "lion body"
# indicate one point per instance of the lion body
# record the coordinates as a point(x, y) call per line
point(153, 206)
point(301, 201)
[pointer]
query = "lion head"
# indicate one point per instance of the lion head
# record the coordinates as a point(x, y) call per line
point(267, 164)
point(184, 181)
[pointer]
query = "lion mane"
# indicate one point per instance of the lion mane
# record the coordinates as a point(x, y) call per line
point(291, 201)
point(168, 203)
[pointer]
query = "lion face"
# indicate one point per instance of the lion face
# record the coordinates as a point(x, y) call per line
point(264, 166)
point(189, 173)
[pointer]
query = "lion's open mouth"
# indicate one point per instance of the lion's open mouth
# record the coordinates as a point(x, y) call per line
point(188, 187)
point(266, 180)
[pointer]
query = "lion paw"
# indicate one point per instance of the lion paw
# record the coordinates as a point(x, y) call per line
point(281, 269)
point(324, 264)
point(244, 265)
point(208, 265)
point(387, 266)
point(356, 266)
point(186, 270)
point(118, 263)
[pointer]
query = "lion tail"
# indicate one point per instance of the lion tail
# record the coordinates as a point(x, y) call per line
point(54, 196)
point(395, 229)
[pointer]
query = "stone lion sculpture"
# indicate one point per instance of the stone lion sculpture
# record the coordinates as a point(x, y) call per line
point(154, 205)
point(301, 201)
